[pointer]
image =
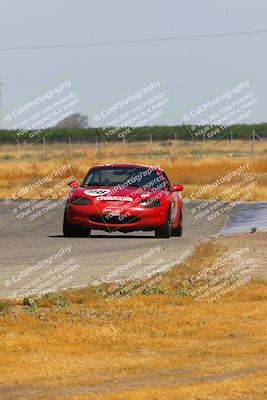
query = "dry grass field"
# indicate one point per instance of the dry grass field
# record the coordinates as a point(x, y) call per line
point(26, 164)
point(159, 345)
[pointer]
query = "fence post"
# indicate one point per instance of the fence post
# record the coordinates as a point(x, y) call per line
point(199, 150)
point(253, 144)
point(97, 146)
point(44, 148)
point(69, 145)
point(175, 143)
point(231, 143)
point(150, 145)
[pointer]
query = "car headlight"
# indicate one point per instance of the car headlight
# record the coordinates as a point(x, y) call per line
point(80, 200)
point(150, 203)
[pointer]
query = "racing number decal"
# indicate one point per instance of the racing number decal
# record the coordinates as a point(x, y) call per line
point(96, 192)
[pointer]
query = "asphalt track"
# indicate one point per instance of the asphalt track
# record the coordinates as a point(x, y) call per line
point(96, 257)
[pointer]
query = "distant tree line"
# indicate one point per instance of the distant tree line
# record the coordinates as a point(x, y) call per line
point(158, 133)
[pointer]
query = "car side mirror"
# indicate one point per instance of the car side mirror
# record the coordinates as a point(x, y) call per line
point(73, 184)
point(177, 188)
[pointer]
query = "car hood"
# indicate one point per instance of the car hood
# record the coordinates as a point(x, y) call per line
point(109, 193)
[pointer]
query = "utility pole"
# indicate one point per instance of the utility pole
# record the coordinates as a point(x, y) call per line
point(1, 84)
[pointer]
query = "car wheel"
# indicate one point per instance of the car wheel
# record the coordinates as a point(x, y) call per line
point(165, 230)
point(71, 230)
point(178, 231)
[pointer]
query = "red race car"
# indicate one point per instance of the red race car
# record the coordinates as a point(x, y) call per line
point(125, 198)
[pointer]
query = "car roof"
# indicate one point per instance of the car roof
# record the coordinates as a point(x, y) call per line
point(128, 165)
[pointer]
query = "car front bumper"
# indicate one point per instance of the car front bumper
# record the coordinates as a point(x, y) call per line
point(104, 218)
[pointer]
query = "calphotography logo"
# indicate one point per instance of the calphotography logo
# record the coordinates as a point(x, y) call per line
point(133, 200)
point(38, 200)
point(124, 118)
point(213, 118)
point(31, 119)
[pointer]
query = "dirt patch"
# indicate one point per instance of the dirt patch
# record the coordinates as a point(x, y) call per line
point(257, 245)
point(160, 378)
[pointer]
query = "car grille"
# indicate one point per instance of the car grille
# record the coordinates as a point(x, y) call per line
point(114, 219)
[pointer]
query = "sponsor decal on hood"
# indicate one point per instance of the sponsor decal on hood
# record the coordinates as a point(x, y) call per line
point(119, 198)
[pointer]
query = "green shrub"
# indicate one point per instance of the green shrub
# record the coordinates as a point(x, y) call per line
point(30, 304)
point(182, 291)
point(8, 157)
point(53, 299)
point(150, 290)
point(4, 307)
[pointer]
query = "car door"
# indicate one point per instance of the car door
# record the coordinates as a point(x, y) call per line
point(174, 201)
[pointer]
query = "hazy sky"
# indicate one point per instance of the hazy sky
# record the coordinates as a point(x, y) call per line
point(190, 71)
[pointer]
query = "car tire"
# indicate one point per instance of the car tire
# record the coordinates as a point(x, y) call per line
point(164, 231)
point(71, 230)
point(178, 231)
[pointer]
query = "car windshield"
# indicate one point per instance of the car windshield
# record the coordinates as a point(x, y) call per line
point(126, 176)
